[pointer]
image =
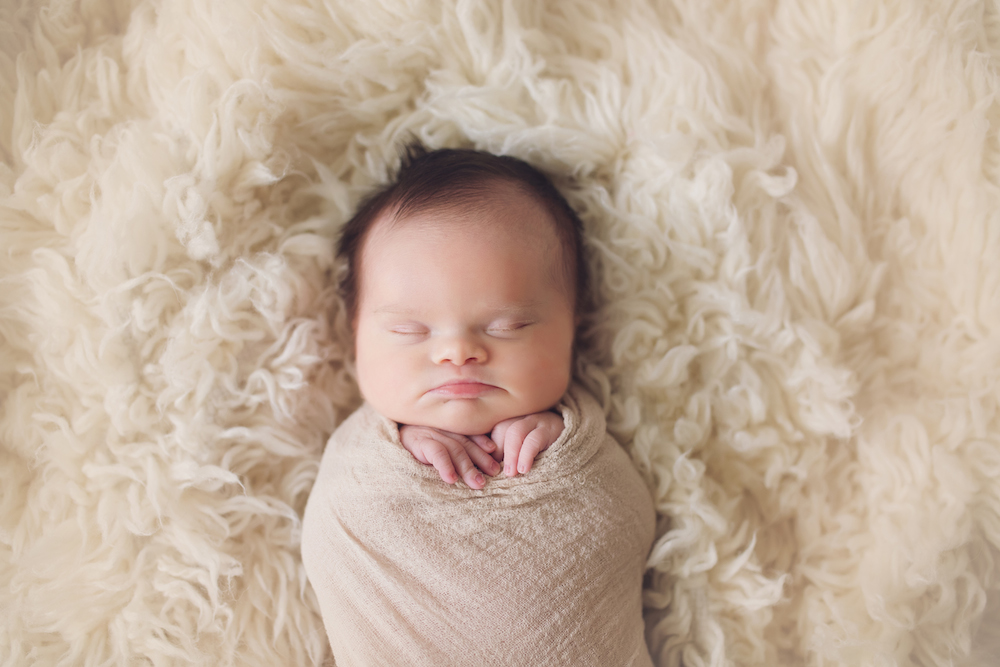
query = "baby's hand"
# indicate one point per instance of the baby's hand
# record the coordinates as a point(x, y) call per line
point(451, 452)
point(520, 439)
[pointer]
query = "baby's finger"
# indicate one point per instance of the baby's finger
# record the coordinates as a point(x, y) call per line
point(484, 442)
point(481, 459)
point(439, 456)
point(513, 439)
point(466, 468)
point(497, 452)
point(500, 433)
point(534, 442)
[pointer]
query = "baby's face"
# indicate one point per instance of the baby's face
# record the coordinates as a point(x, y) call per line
point(463, 318)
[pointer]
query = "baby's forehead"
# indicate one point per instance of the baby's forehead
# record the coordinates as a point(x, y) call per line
point(501, 231)
point(505, 211)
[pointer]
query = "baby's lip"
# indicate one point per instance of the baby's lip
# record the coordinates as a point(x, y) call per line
point(462, 388)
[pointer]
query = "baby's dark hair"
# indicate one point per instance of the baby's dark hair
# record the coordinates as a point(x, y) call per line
point(456, 178)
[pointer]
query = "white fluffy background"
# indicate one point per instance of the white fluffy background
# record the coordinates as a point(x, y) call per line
point(793, 208)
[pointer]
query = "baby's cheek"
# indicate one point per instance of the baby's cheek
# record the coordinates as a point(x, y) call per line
point(378, 378)
point(546, 379)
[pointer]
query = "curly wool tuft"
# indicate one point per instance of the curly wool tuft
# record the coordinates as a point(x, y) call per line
point(791, 209)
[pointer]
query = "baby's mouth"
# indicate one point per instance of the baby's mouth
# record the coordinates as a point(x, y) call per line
point(462, 389)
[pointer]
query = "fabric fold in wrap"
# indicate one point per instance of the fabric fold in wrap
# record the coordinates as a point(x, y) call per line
point(540, 569)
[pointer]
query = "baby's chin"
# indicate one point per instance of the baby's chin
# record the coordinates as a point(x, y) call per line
point(466, 424)
point(464, 418)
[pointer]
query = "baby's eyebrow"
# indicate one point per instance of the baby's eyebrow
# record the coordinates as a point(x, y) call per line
point(394, 309)
point(515, 310)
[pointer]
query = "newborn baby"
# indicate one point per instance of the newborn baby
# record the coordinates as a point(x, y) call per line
point(464, 284)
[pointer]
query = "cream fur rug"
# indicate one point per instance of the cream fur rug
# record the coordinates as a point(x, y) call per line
point(793, 208)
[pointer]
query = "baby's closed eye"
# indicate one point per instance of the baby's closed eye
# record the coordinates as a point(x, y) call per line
point(506, 329)
point(409, 329)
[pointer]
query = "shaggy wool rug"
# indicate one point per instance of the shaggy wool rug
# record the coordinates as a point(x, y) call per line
point(792, 210)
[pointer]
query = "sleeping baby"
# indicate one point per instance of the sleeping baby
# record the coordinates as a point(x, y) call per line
point(474, 511)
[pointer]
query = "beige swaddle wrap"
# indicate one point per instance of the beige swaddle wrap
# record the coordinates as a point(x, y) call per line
point(541, 569)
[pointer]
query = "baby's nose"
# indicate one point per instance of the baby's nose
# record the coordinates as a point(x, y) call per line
point(459, 350)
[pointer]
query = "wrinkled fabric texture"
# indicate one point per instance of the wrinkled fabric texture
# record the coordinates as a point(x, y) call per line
point(540, 569)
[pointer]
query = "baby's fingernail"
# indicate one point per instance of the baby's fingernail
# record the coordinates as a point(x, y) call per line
point(523, 468)
point(478, 479)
